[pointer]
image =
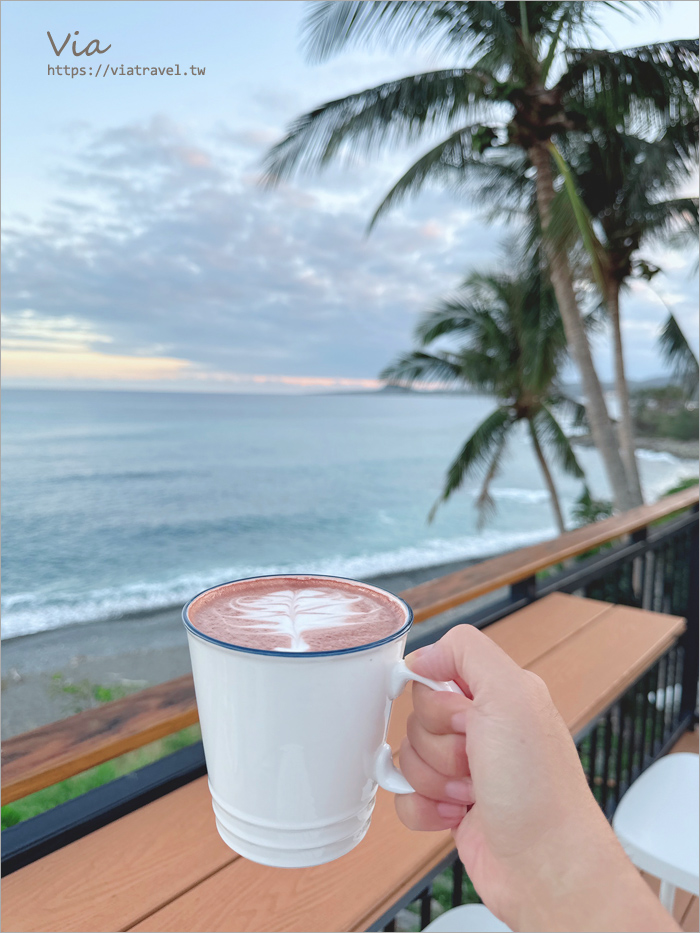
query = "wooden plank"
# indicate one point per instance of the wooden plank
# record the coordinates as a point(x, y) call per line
point(54, 752)
point(598, 662)
point(687, 743)
point(526, 636)
point(61, 749)
point(435, 596)
point(172, 844)
point(389, 862)
point(117, 875)
point(334, 897)
point(164, 867)
point(587, 651)
point(683, 900)
point(538, 628)
point(691, 920)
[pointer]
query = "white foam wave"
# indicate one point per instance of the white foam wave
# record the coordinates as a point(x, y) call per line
point(27, 613)
point(509, 494)
point(654, 489)
point(660, 456)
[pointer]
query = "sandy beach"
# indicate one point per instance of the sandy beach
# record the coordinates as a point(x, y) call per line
point(131, 652)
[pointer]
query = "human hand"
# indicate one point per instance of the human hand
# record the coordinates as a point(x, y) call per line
point(499, 768)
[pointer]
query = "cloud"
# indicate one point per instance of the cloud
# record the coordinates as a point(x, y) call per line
point(69, 365)
point(160, 246)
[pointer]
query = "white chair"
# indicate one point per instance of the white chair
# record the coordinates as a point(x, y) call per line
point(657, 823)
point(469, 918)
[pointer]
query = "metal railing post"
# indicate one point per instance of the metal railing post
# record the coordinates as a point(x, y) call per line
point(524, 589)
point(689, 695)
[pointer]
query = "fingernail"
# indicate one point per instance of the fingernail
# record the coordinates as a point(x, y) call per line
point(451, 811)
point(458, 790)
point(458, 722)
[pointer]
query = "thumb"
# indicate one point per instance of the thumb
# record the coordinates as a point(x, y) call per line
point(469, 658)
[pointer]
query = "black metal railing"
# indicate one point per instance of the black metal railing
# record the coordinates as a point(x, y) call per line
point(638, 728)
point(656, 570)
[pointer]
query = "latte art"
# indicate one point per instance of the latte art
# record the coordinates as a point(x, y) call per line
point(297, 614)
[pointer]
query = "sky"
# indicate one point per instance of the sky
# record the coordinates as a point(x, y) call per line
point(141, 251)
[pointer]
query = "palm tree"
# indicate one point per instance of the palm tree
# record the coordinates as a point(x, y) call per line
point(678, 353)
point(627, 185)
point(527, 86)
point(512, 344)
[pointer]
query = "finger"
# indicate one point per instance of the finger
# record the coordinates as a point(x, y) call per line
point(446, 754)
point(436, 710)
point(428, 782)
point(469, 658)
point(421, 813)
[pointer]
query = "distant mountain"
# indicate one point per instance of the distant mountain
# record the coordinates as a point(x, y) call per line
point(401, 390)
point(396, 390)
point(570, 388)
point(654, 382)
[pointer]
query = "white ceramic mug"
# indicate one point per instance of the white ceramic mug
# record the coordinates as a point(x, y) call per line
point(295, 743)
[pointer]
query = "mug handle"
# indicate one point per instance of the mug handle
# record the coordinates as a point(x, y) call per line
point(386, 774)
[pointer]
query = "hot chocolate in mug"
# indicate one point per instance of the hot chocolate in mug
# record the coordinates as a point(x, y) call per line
point(295, 737)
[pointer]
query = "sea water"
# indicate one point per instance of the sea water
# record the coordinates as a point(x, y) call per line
point(119, 502)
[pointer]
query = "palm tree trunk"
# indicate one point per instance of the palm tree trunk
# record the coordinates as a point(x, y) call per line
point(556, 508)
point(601, 426)
point(626, 430)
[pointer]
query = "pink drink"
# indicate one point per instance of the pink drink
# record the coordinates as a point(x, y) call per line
point(296, 613)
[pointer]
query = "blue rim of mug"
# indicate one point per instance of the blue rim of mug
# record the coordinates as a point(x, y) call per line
point(300, 654)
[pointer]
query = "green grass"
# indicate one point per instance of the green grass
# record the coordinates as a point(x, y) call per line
point(442, 893)
point(679, 424)
point(78, 696)
point(442, 890)
point(49, 797)
point(82, 694)
point(686, 483)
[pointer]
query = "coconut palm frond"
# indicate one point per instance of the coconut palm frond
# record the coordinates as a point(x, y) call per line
point(587, 509)
point(573, 409)
point(583, 219)
point(395, 112)
point(563, 228)
point(455, 162)
point(677, 353)
point(675, 221)
point(467, 313)
point(485, 504)
point(332, 26)
point(634, 86)
point(478, 451)
point(424, 367)
point(476, 27)
point(552, 434)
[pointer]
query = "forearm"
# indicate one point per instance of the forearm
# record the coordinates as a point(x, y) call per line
point(587, 884)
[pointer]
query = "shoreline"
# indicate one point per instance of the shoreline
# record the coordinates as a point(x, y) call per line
point(683, 450)
point(144, 648)
point(128, 653)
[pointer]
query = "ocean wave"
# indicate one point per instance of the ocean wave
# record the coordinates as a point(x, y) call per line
point(662, 456)
point(27, 613)
point(520, 495)
point(655, 489)
point(110, 476)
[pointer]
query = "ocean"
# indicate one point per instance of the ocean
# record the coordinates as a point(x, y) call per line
point(120, 502)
